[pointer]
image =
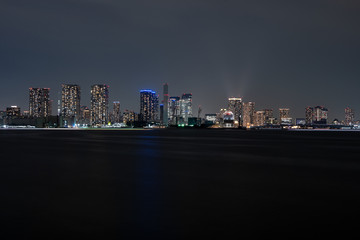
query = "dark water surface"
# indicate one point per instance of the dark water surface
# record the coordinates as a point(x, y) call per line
point(177, 184)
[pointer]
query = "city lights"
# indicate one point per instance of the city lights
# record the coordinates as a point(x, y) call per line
point(168, 112)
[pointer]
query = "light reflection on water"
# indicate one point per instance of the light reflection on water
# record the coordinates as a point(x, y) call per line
point(148, 182)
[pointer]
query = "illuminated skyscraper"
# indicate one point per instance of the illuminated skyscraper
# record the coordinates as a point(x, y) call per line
point(116, 115)
point(149, 106)
point(320, 115)
point(174, 110)
point(269, 117)
point(39, 102)
point(70, 101)
point(248, 114)
point(259, 118)
point(235, 106)
point(186, 107)
point(284, 116)
point(165, 114)
point(99, 104)
point(349, 116)
point(13, 111)
point(309, 115)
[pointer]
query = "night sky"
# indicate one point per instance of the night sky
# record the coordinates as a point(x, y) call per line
point(276, 53)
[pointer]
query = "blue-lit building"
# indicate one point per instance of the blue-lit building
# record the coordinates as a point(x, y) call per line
point(149, 106)
point(174, 110)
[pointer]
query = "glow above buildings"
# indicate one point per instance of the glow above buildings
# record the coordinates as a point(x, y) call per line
point(148, 90)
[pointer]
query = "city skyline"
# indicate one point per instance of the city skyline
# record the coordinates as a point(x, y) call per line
point(275, 54)
point(56, 105)
point(173, 119)
point(296, 112)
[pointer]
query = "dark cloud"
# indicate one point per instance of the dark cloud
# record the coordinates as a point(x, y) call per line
point(276, 53)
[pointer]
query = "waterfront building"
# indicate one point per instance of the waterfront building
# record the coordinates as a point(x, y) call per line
point(13, 112)
point(235, 106)
point(116, 114)
point(129, 117)
point(99, 104)
point(2, 117)
point(300, 121)
point(269, 118)
point(309, 115)
point(349, 116)
point(85, 115)
point(186, 107)
point(248, 114)
point(193, 121)
point(284, 116)
point(165, 113)
point(26, 113)
point(70, 101)
point(210, 118)
point(149, 106)
point(336, 122)
point(228, 119)
point(162, 113)
point(174, 110)
point(39, 102)
point(260, 118)
point(320, 115)
point(220, 116)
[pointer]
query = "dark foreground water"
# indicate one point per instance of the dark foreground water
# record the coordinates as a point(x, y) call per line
point(177, 184)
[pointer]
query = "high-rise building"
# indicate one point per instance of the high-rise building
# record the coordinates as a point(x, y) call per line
point(85, 115)
point(349, 116)
point(99, 104)
point(174, 110)
point(260, 118)
point(284, 116)
point(165, 114)
point(13, 111)
point(70, 101)
point(248, 114)
point(235, 106)
point(320, 115)
point(309, 115)
point(149, 106)
point(129, 117)
point(39, 102)
point(116, 114)
point(269, 117)
point(186, 107)
point(2, 117)
point(162, 113)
